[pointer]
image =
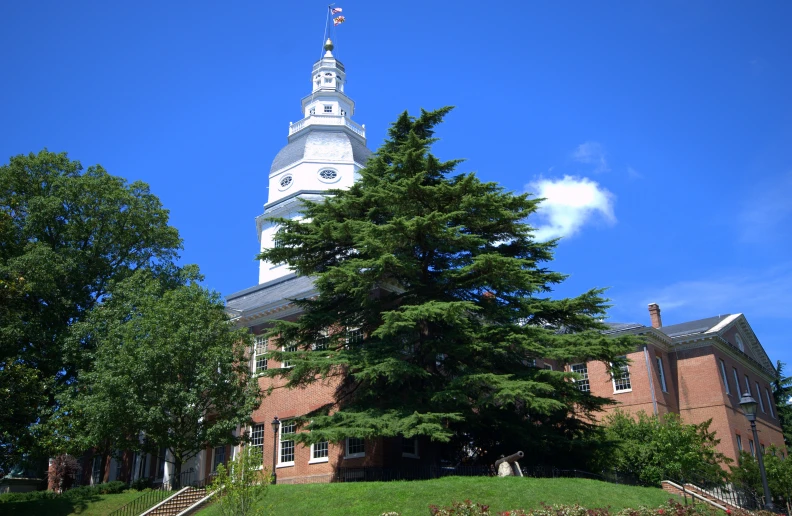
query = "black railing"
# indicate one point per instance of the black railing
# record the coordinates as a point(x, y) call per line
point(727, 494)
point(149, 499)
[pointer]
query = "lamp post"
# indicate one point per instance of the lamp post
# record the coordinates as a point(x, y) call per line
point(275, 428)
point(748, 405)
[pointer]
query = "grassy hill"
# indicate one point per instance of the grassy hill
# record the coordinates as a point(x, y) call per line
point(413, 498)
point(93, 505)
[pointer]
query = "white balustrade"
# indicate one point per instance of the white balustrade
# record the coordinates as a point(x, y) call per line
point(326, 120)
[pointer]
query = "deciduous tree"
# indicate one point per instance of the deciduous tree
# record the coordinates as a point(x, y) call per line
point(66, 234)
point(169, 371)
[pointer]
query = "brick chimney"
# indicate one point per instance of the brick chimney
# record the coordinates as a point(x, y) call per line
point(654, 315)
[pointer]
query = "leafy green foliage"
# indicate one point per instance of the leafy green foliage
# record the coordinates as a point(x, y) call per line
point(241, 486)
point(746, 474)
point(168, 365)
point(448, 294)
point(655, 448)
point(782, 393)
point(67, 234)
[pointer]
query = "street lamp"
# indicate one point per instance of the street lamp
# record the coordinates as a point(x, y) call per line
point(275, 428)
point(748, 405)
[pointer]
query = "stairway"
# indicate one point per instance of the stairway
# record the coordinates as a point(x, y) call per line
point(179, 502)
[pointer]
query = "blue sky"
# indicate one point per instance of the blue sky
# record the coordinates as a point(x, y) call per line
point(659, 131)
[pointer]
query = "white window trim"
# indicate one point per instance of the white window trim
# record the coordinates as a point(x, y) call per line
point(415, 454)
point(283, 363)
point(256, 354)
point(724, 377)
point(770, 403)
point(736, 381)
point(319, 460)
point(280, 444)
point(214, 457)
point(661, 371)
point(739, 443)
point(759, 395)
point(348, 455)
point(584, 373)
point(613, 381)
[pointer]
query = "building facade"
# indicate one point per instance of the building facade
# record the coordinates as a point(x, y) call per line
point(699, 370)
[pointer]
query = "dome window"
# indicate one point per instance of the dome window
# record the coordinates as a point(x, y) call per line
point(286, 182)
point(328, 175)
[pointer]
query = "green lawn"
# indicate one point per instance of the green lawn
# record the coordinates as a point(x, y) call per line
point(94, 505)
point(413, 498)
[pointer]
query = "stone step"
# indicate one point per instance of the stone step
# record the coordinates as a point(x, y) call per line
point(180, 502)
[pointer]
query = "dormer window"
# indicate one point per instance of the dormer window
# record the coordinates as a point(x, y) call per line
point(328, 108)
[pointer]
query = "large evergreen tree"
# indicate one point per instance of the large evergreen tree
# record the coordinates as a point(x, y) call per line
point(433, 303)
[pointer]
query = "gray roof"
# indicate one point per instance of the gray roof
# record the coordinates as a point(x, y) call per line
point(321, 145)
point(271, 292)
point(692, 327)
point(614, 327)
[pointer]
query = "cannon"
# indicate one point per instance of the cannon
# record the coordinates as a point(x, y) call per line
point(508, 466)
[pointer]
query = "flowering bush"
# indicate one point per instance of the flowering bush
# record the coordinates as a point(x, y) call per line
point(466, 508)
point(672, 508)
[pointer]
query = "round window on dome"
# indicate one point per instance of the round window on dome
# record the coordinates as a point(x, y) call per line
point(328, 175)
point(286, 182)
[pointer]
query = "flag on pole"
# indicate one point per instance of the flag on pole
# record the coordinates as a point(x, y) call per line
point(335, 10)
point(338, 20)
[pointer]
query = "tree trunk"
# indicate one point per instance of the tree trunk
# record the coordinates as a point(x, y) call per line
point(177, 469)
point(102, 467)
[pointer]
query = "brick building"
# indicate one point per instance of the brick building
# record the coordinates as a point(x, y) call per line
point(698, 369)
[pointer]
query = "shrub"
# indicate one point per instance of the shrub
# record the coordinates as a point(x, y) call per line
point(141, 484)
point(672, 508)
point(114, 487)
point(30, 496)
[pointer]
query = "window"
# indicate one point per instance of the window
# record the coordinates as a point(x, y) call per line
point(759, 395)
point(739, 443)
point(286, 443)
point(343, 112)
point(723, 376)
point(582, 370)
point(751, 445)
point(286, 181)
point(355, 448)
point(770, 403)
point(161, 462)
point(548, 367)
point(328, 174)
point(320, 452)
point(96, 469)
point(661, 373)
point(410, 447)
point(328, 80)
point(219, 457)
point(621, 381)
point(761, 447)
point(289, 348)
point(260, 355)
point(736, 381)
point(748, 386)
point(257, 436)
point(119, 464)
point(354, 336)
point(328, 108)
point(312, 111)
point(321, 342)
point(739, 341)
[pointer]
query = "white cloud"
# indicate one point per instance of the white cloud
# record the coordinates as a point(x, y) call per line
point(767, 212)
point(569, 204)
point(591, 153)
